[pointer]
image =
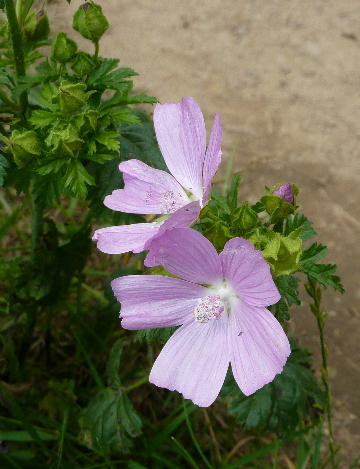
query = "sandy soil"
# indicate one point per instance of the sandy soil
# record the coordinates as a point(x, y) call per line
point(285, 77)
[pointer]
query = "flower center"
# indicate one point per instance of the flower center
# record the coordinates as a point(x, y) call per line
point(169, 202)
point(208, 308)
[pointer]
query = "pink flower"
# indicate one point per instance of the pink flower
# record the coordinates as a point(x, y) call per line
point(285, 191)
point(219, 301)
point(181, 134)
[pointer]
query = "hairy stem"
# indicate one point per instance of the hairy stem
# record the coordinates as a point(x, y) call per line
point(314, 291)
point(18, 50)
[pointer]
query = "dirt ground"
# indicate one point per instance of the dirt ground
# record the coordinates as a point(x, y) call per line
point(285, 77)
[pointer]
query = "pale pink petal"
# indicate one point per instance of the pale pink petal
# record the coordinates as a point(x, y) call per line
point(258, 346)
point(152, 301)
point(212, 157)
point(187, 254)
point(194, 361)
point(181, 135)
point(125, 238)
point(182, 218)
point(147, 191)
point(248, 273)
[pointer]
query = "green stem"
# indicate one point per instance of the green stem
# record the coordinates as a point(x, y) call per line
point(36, 232)
point(17, 46)
point(138, 383)
point(315, 293)
point(96, 44)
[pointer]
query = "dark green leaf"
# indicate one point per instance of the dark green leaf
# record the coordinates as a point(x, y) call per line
point(3, 165)
point(162, 335)
point(314, 253)
point(113, 364)
point(299, 221)
point(139, 142)
point(287, 286)
point(323, 273)
point(47, 189)
point(291, 399)
point(111, 420)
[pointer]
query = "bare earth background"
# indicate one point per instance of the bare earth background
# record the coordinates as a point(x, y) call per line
point(285, 77)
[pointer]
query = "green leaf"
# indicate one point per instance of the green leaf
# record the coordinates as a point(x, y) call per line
point(109, 138)
point(148, 335)
point(76, 179)
point(323, 273)
point(25, 84)
point(314, 253)
point(122, 115)
point(139, 142)
point(111, 420)
point(113, 363)
point(3, 165)
point(287, 286)
point(41, 118)
point(292, 398)
point(47, 189)
point(232, 197)
point(52, 166)
point(4, 78)
point(299, 221)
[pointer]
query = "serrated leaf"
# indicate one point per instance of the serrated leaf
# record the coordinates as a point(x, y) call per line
point(4, 78)
point(3, 165)
point(102, 69)
point(109, 138)
point(76, 179)
point(299, 221)
point(291, 399)
point(287, 286)
point(148, 335)
point(101, 157)
point(42, 118)
point(111, 420)
point(112, 366)
point(47, 189)
point(139, 142)
point(323, 273)
point(122, 115)
point(314, 253)
point(52, 166)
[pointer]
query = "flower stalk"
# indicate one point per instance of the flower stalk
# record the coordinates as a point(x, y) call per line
point(314, 292)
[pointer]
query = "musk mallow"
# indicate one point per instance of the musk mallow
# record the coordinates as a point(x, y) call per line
point(219, 300)
point(181, 135)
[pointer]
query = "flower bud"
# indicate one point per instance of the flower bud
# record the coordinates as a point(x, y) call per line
point(283, 253)
point(63, 48)
point(285, 192)
point(37, 28)
point(72, 97)
point(245, 219)
point(277, 205)
point(90, 22)
point(25, 147)
point(82, 64)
